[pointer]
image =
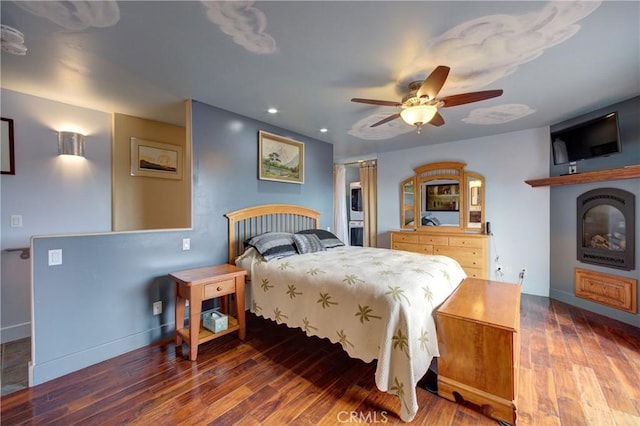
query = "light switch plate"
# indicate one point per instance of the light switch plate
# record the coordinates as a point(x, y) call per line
point(55, 257)
point(16, 221)
point(186, 244)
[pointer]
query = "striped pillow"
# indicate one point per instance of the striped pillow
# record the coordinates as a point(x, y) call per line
point(328, 239)
point(308, 243)
point(273, 245)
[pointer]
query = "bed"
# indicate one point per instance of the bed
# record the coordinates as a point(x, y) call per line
point(376, 303)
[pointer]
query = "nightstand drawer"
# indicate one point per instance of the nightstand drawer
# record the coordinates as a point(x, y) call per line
point(219, 289)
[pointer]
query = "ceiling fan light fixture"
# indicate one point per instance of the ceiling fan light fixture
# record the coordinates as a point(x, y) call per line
point(418, 115)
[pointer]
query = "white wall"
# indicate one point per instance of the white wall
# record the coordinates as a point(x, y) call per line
point(519, 214)
point(52, 194)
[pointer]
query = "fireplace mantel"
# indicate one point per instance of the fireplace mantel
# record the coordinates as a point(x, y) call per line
point(627, 172)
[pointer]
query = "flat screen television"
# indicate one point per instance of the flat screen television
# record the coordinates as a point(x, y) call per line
point(594, 138)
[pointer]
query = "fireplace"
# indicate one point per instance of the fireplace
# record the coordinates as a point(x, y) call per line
point(606, 228)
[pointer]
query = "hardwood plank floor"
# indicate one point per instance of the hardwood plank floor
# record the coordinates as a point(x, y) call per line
point(577, 368)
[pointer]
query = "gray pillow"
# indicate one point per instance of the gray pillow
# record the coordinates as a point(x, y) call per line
point(327, 239)
point(273, 245)
point(308, 243)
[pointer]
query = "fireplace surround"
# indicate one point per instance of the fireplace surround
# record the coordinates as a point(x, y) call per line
point(606, 228)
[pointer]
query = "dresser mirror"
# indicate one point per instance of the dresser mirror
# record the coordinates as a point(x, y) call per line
point(475, 202)
point(408, 206)
point(443, 197)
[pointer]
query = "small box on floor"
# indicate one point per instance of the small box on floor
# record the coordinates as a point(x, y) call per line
point(214, 320)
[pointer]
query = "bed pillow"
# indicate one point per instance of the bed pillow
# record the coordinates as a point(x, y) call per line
point(308, 243)
point(273, 245)
point(327, 239)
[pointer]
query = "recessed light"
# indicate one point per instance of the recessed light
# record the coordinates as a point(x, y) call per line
point(272, 111)
point(324, 130)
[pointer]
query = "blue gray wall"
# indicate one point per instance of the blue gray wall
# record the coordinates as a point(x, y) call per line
point(76, 191)
point(519, 214)
point(563, 211)
point(97, 304)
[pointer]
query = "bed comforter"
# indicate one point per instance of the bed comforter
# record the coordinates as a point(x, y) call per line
point(376, 303)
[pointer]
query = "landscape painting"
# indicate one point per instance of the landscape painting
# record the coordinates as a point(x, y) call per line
point(155, 159)
point(280, 159)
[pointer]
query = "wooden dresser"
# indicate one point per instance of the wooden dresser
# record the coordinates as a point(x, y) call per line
point(479, 342)
point(470, 250)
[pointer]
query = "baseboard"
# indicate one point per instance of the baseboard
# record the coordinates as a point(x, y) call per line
point(43, 372)
point(15, 332)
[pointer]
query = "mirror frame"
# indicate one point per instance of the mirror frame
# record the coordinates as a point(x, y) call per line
point(474, 202)
point(446, 171)
point(407, 205)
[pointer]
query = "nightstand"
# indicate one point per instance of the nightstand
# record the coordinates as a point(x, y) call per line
point(198, 285)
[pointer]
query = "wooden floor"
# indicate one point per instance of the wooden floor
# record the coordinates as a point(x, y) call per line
point(577, 368)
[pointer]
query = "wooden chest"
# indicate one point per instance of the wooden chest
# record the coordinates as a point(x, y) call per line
point(478, 337)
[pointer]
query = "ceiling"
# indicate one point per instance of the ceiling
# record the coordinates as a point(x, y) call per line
point(554, 61)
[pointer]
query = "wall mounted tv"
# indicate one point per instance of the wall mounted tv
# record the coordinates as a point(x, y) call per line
point(594, 138)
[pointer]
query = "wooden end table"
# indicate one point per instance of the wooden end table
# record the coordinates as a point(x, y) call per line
point(206, 283)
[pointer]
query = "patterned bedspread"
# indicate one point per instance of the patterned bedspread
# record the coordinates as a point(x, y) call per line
point(377, 303)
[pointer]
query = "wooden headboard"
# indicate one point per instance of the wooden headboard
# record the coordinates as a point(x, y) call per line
point(249, 222)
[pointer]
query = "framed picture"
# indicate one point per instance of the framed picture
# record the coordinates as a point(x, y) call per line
point(7, 158)
point(443, 198)
point(280, 159)
point(155, 159)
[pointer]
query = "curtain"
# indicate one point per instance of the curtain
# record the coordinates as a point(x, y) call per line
point(369, 183)
point(340, 225)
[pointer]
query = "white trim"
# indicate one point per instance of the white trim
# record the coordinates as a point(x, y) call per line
point(15, 332)
point(49, 370)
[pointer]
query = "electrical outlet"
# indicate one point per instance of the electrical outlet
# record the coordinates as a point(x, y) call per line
point(499, 273)
point(157, 308)
point(186, 244)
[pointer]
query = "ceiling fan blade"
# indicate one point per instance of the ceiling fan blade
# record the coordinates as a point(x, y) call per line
point(437, 120)
point(386, 120)
point(467, 98)
point(432, 84)
point(376, 102)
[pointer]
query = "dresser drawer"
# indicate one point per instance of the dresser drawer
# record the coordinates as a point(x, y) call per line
point(219, 289)
point(415, 248)
point(465, 256)
point(436, 240)
point(404, 238)
point(463, 241)
point(474, 272)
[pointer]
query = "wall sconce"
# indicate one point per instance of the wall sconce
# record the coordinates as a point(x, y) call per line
point(70, 143)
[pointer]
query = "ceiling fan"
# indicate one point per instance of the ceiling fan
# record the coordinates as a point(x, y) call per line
point(420, 106)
